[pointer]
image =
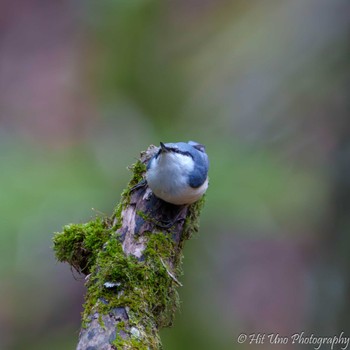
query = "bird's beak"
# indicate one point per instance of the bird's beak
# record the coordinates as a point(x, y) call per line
point(163, 147)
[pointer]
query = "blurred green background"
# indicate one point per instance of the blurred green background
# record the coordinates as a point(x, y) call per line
point(86, 85)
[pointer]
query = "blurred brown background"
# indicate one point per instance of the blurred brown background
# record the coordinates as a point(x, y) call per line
point(86, 85)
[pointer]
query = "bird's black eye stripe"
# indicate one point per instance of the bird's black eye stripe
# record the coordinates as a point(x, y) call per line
point(175, 150)
point(158, 153)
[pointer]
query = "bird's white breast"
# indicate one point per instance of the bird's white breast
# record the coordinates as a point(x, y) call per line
point(167, 177)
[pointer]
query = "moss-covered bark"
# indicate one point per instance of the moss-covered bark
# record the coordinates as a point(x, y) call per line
point(133, 261)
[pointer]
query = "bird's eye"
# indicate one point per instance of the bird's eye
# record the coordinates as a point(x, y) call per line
point(199, 147)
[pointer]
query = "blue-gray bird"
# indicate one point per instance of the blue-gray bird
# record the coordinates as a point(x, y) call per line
point(178, 172)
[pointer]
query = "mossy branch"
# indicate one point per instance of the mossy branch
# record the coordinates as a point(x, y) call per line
point(132, 262)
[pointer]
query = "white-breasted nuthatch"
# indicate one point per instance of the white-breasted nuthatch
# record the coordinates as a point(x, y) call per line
point(178, 172)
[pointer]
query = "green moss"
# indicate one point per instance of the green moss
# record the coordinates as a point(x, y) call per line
point(132, 344)
point(138, 169)
point(79, 244)
point(192, 219)
point(160, 245)
point(146, 285)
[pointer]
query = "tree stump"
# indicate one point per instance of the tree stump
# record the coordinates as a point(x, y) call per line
point(132, 262)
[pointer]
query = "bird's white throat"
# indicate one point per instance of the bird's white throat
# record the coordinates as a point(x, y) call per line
point(167, 177)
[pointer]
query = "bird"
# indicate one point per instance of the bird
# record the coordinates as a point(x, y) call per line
point(178, 172)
